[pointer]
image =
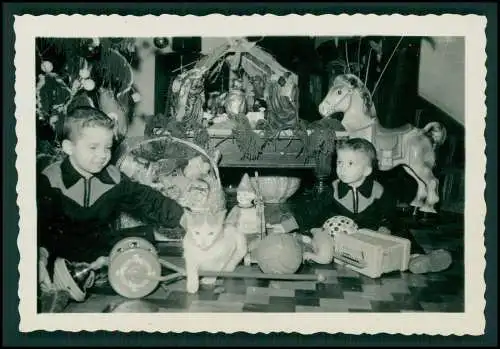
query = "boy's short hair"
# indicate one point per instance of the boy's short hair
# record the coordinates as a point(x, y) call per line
point(360, 145)
point(82, 117)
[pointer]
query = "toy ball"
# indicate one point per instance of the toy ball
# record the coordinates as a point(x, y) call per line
point(47, 66)
point(340, 224)
point(278, 254)
point(161, 43)
point(88, 84)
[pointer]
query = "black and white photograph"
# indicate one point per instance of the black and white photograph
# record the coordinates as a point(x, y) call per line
point(251, 173)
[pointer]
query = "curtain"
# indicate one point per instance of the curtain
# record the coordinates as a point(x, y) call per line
point(396, 94)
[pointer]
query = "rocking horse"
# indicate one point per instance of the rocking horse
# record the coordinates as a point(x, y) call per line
point(412, 147)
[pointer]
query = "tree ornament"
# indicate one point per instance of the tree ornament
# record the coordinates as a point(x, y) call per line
point(93, 49)
point(47, 66)
point(161, 43)
point(84, 73)
point(77, 84)
point(95, 42)
point(53, 120)
point(88, 84)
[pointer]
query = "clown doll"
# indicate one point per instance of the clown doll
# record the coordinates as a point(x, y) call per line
point(246, 216)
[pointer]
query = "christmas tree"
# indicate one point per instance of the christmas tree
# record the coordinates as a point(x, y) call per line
point(74, 72)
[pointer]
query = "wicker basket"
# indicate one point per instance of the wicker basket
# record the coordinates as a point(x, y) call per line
point(145, 160)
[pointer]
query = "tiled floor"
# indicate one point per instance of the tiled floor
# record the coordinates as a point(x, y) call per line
point(343, 290)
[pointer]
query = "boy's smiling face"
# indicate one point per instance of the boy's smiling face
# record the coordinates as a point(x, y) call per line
point(90, 151)
point(353, 166)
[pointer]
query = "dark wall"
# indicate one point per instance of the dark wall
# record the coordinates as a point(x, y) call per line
point(396, 94)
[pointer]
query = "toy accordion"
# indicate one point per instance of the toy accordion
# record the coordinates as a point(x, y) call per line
point(371, 253)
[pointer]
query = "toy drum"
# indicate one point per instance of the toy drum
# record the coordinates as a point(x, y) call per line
point(134, 269)
point(131, 243)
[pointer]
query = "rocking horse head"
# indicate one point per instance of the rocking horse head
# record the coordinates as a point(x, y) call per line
point(350, 96)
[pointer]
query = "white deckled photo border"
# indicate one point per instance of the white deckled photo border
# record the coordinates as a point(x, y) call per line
point(472, 27)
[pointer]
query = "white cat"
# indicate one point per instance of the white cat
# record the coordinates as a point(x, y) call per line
point(210, 245)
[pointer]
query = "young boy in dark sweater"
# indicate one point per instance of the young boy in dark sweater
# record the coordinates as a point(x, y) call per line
point(80, 197)
point(358, 196)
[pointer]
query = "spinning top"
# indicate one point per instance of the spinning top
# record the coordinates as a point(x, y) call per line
point(81, 273)
point(73, 277)
point(76, 278)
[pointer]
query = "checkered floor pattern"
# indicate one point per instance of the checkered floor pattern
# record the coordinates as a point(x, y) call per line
point(344, 290)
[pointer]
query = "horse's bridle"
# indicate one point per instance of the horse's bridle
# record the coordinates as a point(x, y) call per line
point(349, 93)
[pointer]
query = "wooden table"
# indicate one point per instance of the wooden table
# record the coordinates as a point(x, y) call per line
point(284, 153)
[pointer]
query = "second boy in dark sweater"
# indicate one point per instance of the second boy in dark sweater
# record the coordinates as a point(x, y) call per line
point(356, 195)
